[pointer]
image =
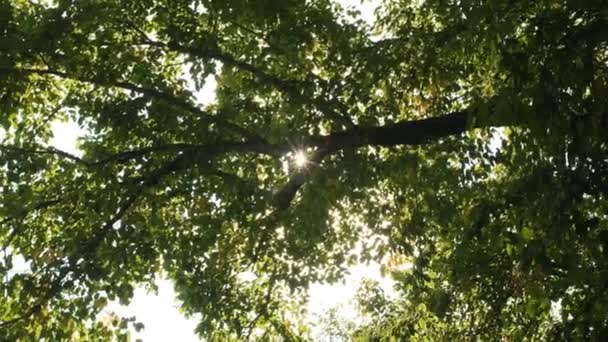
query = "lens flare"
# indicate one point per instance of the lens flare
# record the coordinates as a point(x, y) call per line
point(300, 159)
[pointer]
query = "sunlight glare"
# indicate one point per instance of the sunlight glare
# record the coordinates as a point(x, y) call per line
point(300, 159)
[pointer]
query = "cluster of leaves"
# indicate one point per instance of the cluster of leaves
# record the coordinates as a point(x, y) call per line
point(401, 137)
point(509, 240)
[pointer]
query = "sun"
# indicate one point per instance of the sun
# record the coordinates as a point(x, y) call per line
point(300, 159)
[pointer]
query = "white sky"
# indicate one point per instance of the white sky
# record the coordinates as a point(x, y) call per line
point(160, 314)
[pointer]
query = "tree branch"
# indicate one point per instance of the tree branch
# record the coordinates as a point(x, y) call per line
point(288, 87)
point(89, 247)
point(152, 93)
point(219, 147)
point(56, 284)
point(22, 216)
point(284, 197)
point(415, 132)
point(46, 150)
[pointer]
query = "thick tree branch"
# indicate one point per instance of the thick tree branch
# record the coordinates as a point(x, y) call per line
point(284, 197)
point(401, 133)
point(415, 132)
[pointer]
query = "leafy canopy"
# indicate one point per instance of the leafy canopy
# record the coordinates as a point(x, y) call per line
point(466, 137)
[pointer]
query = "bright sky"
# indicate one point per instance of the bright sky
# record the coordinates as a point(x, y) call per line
point(160, 314)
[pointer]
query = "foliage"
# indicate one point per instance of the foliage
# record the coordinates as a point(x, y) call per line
point(467, 134)
point(332, 325)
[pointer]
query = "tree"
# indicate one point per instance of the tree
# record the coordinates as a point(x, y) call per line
point(465, 135)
